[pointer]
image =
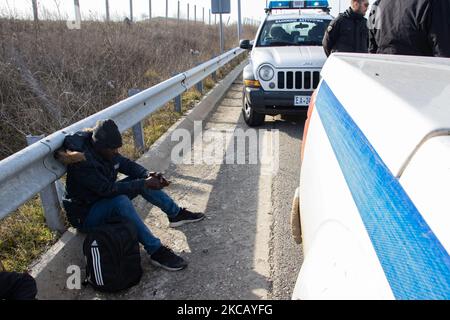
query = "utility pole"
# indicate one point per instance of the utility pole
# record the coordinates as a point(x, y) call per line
point(188, 12)
point(131, 10)
point(178, 12)
point(75, 25)
point(77, 12)
point(203, 15)
point(35, 11)
point(239, 23)
point(195, 13)
point(107, 10)
point(209, 16)
point(167, 10)
point(149, 9)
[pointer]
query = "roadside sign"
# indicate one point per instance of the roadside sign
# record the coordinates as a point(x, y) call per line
point(220, 6)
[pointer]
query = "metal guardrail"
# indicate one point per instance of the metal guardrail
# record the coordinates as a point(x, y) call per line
point(34, 169)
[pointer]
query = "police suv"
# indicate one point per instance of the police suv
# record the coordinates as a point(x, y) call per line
point(286, 59)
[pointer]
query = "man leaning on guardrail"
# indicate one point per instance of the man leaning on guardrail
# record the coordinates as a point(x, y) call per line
point(93, 195)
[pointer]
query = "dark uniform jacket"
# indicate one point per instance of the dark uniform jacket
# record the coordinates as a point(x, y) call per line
point(347, 33)
point(17, 286)
point(90, 178)
point(410, 27)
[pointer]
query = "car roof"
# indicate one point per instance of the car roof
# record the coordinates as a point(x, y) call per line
point(287, 16)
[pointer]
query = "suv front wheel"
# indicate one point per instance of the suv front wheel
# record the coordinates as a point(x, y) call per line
point(252, 118)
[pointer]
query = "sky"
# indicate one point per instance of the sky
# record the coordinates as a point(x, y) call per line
point(119, 9)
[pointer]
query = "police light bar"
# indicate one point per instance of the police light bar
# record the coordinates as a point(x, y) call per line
point(305, 4)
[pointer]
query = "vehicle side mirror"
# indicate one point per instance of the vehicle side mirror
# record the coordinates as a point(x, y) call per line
point(245, 44)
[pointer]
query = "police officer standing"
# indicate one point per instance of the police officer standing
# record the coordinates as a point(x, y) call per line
point(410, 27)
point(349, 31)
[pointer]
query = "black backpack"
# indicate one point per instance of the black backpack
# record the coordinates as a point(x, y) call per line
point(113, 260)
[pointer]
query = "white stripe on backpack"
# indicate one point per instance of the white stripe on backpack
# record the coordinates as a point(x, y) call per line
point(96, 264)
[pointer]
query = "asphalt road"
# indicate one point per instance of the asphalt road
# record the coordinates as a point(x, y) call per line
point(285, 255)
point(244, 249)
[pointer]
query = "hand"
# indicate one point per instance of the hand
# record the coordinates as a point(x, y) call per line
point(164, 181)
point(161, 178)
point(154, 183)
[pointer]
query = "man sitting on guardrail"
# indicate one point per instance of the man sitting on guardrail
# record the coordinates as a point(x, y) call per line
point(93, 194)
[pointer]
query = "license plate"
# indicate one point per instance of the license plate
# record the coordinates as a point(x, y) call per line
point(301, 101)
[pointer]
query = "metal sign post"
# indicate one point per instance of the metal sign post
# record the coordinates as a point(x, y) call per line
point(221, 7)
point(221, 35)
point(239, 23)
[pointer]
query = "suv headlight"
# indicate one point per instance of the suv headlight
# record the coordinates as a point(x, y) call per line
point(266, 73)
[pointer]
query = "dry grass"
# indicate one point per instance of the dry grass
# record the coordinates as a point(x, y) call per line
point(24, 236)
point(51, 77)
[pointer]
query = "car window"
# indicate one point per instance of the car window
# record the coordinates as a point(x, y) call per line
point(295, 32)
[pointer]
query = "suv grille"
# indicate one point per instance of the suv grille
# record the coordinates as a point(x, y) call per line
point(299, 80)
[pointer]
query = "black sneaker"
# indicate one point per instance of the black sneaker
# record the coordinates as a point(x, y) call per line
point(167, 259)
point(185, 216)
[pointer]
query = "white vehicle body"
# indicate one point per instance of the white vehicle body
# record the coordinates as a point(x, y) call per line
point(290, 58)
point(374, 196)
point(293, 66)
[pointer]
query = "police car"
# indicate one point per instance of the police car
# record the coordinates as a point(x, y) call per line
point(373, 205)
point(286, 59)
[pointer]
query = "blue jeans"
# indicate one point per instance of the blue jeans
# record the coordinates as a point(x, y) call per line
point(123, 207)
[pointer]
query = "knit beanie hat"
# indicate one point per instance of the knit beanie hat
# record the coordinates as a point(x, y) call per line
point(106, 135)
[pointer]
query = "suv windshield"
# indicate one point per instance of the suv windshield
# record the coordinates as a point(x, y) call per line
point(294, 32)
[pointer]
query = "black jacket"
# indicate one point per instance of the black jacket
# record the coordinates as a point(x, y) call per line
point(410, 27)
point(17, 286)
point(90, 178)
point(347, 33)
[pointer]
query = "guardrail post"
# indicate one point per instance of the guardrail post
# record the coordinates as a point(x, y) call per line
point(51, 198)
point(214, 74)
point(178, 104)
point(199, 87)
point(138, 132)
